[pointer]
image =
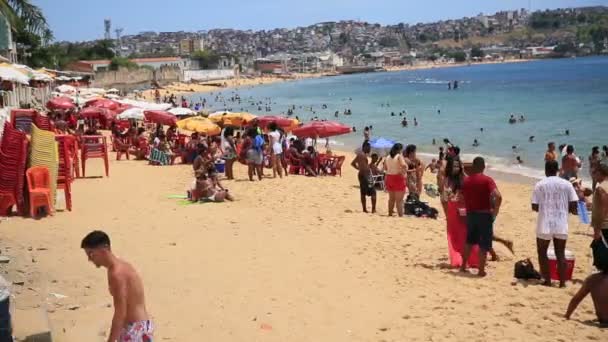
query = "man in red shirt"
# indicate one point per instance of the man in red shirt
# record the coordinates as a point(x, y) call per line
point(482, 201)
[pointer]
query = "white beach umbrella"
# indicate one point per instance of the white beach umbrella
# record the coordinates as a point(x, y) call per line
point(113, 90)
point(180, 111)
point(132, 113)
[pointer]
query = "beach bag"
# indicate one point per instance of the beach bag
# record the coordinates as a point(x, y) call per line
point(414, 207)
point(524, 269)
point(599, 249)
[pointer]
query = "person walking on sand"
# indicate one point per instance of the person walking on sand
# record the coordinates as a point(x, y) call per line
point(394, 179)
point(482, 202)
point(131, 321)
point(551, 153)
point(553, 197)
point(366, 183)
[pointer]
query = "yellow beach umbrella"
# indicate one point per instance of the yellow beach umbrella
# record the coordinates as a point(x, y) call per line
point(232, 119)
point(200, 125)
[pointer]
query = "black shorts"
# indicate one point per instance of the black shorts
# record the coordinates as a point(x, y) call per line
point(480, 230)
point(366, 185)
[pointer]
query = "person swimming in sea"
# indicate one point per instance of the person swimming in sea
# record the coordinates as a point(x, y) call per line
point(475, 143)
point(392, 113)
point(434, 142)
point(438, 111)
point(415, 122)
point(567, 132)
point(512, 119)
point(519, 161)
point(531, 139)
point(404, 122)
point(481, 129)
point(521, 118)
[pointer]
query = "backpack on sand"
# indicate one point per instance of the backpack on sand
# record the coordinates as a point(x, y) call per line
point(524, 269)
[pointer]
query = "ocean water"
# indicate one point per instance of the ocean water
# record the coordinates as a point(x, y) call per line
point(553, 95)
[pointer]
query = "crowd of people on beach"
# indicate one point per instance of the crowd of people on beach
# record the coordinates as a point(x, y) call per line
point(471, 203)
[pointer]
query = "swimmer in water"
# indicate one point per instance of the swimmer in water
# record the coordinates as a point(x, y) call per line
point(481, 129)
point(519, 161)
point(392, 113)
point(475, 143)
point(438, 111)
point(415, 122)
point(434, 142)
point(567, 132)
point(531, 139)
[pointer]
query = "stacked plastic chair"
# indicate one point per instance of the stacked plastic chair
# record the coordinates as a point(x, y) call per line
point(44, 153)
point(43, 122)
point(23, 119)
point(65, 173)
point(13, 158)
point(94, 146)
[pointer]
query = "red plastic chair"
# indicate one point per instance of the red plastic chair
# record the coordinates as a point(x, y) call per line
point(39, 187)
point(121, 146)
point(22, 119)
point(295, 166)
point(94, 146)
point(336, 167)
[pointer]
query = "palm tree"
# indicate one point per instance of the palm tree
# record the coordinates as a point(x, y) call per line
point(23, 15)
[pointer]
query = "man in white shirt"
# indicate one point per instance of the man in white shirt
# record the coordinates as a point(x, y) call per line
point(553, 198)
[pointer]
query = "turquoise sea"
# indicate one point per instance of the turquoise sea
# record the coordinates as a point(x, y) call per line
point(553, 95)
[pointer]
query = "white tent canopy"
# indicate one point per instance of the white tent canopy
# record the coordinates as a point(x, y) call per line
point(12, 75)
point(65, 89)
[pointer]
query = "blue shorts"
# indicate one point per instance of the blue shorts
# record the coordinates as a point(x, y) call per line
point(480, 230)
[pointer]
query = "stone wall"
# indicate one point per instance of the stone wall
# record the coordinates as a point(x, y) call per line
point(208, 75)
point(128, 80)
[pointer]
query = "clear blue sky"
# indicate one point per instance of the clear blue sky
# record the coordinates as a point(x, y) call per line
point(76, 20)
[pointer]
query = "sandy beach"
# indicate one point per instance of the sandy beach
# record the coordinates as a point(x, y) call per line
point(292, 259)
point(182, 88)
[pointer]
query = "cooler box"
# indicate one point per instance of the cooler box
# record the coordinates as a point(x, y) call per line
point(219, 167)
point(553, 264)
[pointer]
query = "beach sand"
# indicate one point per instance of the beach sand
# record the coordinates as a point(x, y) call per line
point(182, 88)
point(292, 259)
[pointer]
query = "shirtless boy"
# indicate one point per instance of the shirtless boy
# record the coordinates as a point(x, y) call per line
point(131, 321)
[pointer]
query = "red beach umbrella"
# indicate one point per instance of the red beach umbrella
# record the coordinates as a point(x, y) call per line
point(60, 103)
point(321, 129)
point(284, 123)
point(92, 113)
point(161, 117)
point(103, 103)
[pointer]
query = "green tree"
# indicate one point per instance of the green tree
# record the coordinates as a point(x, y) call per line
point(122, 62)
point(25, 16)
point(476, 52)
point(206, 58)
point(459, 56)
